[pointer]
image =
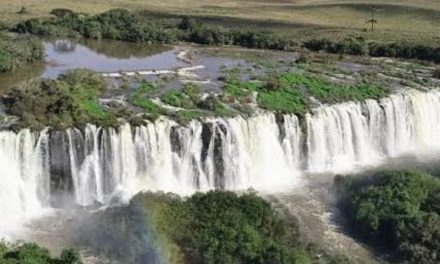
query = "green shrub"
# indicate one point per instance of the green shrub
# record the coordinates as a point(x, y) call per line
point(359, 46)
point(397, 210)
point(124, 25)
point(61, 12)
point(23, 10)
point(214, 104)
point(183, 117)
point(67, 101)
point(17, 51)
point(213, 227)
point(178, 99)
point(33, 254)
point(140, 98)
point(193, 91)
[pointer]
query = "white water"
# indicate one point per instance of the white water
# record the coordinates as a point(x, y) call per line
point(234, 153)
point(24, 185)
point(345, 136)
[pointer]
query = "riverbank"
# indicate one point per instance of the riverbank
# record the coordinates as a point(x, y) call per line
point(204, 82)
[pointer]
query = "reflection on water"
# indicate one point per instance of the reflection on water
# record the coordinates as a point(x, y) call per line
point(106, 56)
point(101, 56)
point(123, 50)
point(8, 80)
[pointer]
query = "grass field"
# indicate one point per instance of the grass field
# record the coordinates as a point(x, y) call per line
point(416, 20)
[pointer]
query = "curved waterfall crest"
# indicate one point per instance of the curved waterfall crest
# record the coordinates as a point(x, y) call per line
point(264, 151)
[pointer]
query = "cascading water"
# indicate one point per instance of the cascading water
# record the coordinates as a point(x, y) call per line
point(24, 187)
point(347, 135)
point(263, 152)
point(231, 154)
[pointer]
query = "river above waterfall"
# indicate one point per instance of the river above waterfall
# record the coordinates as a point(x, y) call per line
point(111, 56)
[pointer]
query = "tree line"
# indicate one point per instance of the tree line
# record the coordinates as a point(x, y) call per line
point(395, 210)
point(124, 25)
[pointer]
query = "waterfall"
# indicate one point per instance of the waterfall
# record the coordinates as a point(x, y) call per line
point(265, 152)
point(24, 186)
point(236, 153)
point(348, 135)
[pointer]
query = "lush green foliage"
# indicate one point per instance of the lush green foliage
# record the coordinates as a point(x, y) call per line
point(30, 253)
point(140, 27)
point(290, 92)
point(17, 51)
point(214, 104)
point(177, 99)
point(328, 92)
point(71, 99)
point(359, 46)
point(215, 227)
point(141, 99)
point(137, 27)
point(399, 210)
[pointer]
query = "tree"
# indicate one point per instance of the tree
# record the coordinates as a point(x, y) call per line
point(372, 20)
point(61, 12)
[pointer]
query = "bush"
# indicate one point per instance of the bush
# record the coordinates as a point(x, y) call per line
point(177, 99)
point(397, 210)
point(124, 25)
point(359, 46)
point(17, 51)
point(23, 10)
point(213, 227)
point(69, 100)
point(61, 12)
point(32, 253)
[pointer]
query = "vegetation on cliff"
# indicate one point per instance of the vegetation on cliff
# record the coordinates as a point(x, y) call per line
point(74, 99)
point(398, 210)
point(64, 102)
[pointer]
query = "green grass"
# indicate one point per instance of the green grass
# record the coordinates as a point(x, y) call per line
point(183, 117)
point(240, 89)
point(291, 92)
point(286, 101)
point(397, 19)
point(140, 98)
point(328, 92)
point(93, 109)
point(279, 96)
point(146, 104)
point(178, 99)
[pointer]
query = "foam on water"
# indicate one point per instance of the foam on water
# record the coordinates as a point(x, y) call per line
point(263, 152)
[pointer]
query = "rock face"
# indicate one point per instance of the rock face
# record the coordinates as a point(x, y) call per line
point(59, 167)
point(265, 152)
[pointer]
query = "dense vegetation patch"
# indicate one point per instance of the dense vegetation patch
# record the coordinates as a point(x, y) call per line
point(69, 100)
point(73, 99)
point(121, 24)
point(17, 51)
point(213, 227)
point(396, 210)
point(359, 46)
point(30, 253)
point(142, 27)
point(290, 92)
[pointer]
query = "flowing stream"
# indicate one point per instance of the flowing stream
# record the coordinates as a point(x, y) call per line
point(42, 170)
